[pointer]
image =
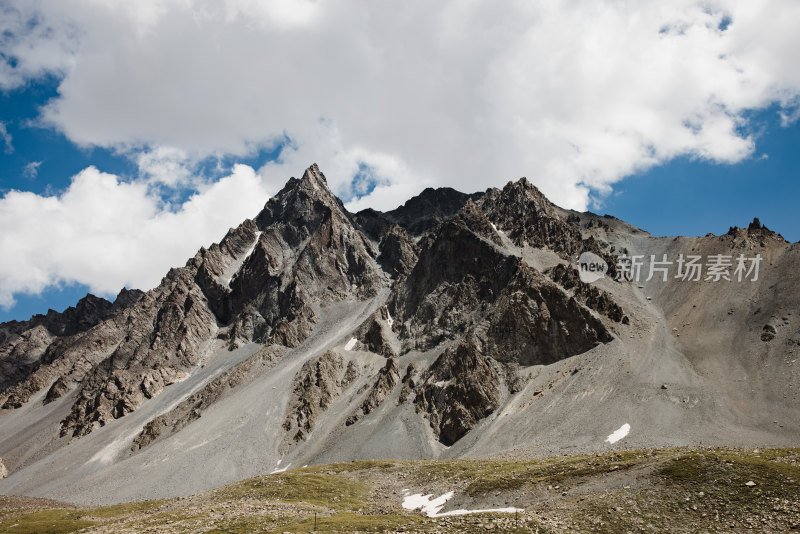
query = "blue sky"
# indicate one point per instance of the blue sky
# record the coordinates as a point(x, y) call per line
point(688, 196)
point(134, 133)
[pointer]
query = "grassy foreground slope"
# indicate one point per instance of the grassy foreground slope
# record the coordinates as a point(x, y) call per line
point(668, 490)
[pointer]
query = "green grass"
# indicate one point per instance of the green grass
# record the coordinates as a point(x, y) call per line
point(117, 510)
point(703, 490)
point(361, 465)
point(332, 491)
point(730, 471)
point(349, 522)
point(485, 476)
point(680, 490)
point(253, 523)
point(45, 522)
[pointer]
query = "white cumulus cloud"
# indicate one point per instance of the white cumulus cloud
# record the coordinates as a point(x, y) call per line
point(106, 233)
point(575, 95)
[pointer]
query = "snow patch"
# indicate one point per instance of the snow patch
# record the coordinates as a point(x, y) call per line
point(431, 507)
point(619, 433)
point(389, 319)
point(281, 470)
point(351, 344)
point(227, 276)
point(425, 504)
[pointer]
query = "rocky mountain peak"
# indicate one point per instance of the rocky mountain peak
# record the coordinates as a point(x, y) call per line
point(477, 221)
point(529, 218)
point(755, 232)
point(524, 192)
point(314, 182)
point(301, 199)
point(418, 215)
point(126, 297)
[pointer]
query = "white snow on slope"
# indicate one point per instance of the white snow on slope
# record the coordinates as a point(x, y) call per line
point(431, 507)
point(619, 433)
point(227, 276)
point(281, 470)
point(496, 229)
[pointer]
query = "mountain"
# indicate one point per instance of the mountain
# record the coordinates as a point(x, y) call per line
point(454, 326)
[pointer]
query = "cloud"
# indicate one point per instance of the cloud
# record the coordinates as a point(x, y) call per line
point(31, 169)
point(575, 95)
point(6, 138)
point(164, 165)
point(106, 233)
point(37, 39)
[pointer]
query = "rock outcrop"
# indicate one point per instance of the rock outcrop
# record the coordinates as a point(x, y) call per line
point(458, 390)
point(464, 278)
point(164, 335)
point(387, 379)
point(458, 276)
point(319, 382)
point(528, 218)
point(418, 215)
point(376, 334)
point(409, 383)
point(51, 346)
point(587, 294)
point(398, 253)
point(535, 323)
point(755, 235)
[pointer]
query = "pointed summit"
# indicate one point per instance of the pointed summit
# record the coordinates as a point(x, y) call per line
point(529, 218)
point(524, 192)
point(313, 173)
point(313, 183)
point(300, 200)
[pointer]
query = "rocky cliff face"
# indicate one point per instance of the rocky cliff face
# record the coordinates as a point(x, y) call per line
point(458, 390)
point(34, 352)
point(459, 274)
point(418, 216)
point(399, 253)
point(316, 386)
point(528, 218)
point(387, 379)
